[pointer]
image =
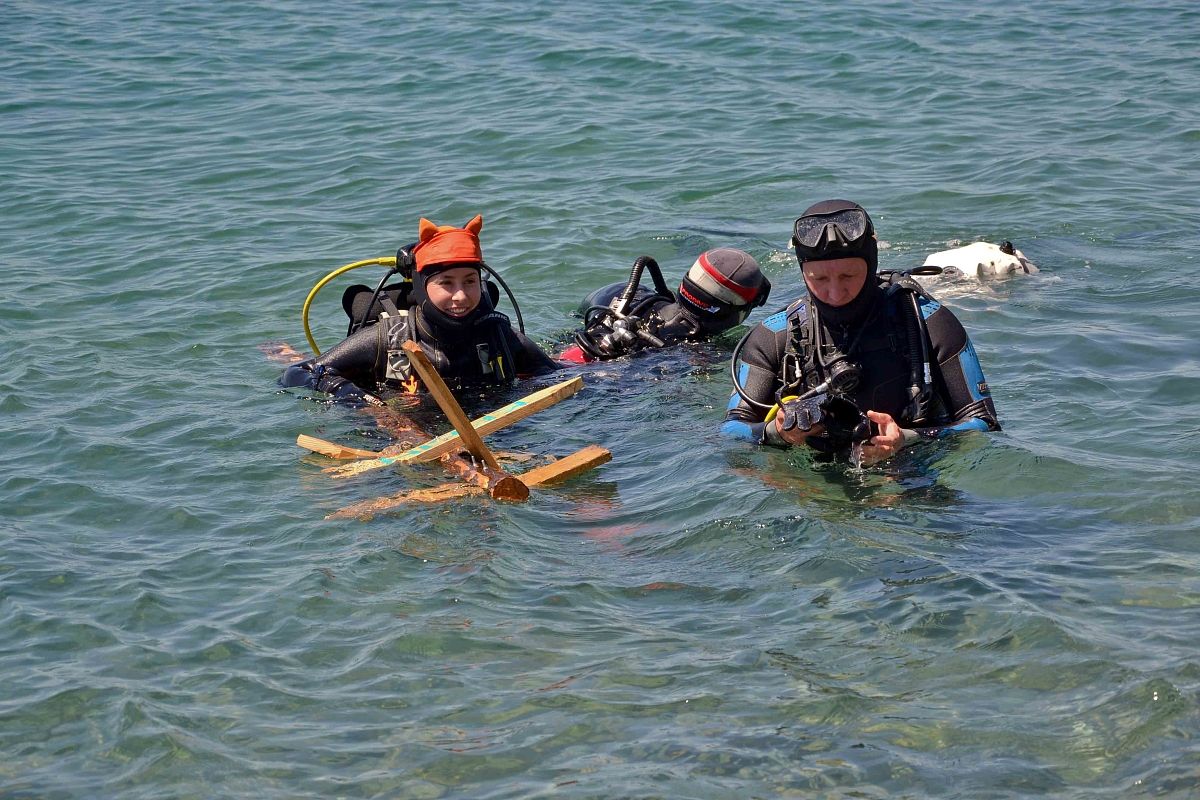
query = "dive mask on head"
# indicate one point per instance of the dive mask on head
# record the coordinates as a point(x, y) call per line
point(825, 236)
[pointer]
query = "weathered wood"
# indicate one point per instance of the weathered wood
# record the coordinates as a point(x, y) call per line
point(403, 428)
point(367, 509)
point(482, 471)
point(480, 477)
point(499, 484)
point(441, 393)
point(488, 423)
point(567, 466)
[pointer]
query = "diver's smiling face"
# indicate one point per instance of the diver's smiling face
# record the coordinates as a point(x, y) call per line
point(455, 292)
point(835, 282)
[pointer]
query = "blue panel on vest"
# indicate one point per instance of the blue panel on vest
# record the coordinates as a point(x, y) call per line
point(928, 306)
point(972, 372)
point(776, 322)
point(973, 424)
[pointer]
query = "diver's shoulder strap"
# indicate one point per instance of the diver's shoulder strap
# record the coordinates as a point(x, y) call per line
point(907, 299)
point(392, 331)
point(495, 352)
point(895, 281)
point(798, 364)
point(389, 306)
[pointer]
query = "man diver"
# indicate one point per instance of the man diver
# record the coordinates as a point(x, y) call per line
point(718, 292)
point(446, 311)
point(865, 359)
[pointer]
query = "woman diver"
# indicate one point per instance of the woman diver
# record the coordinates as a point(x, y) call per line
point(866, 358)
point(449, 311)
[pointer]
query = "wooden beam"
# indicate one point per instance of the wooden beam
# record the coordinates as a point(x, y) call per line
point(332, 449)
point(498, 483)
point(450, 407)
point(366, 509)
point(567, 466)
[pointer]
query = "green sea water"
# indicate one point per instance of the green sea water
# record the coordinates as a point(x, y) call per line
point(1009, 615)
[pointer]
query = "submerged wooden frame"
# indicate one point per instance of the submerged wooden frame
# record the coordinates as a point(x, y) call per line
point(480, 470)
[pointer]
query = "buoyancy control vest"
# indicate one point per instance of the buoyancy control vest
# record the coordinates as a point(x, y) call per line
point(891, 347)
point(478, 348)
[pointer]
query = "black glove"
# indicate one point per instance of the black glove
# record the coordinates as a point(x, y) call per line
point(803, 414)
point(342, 389)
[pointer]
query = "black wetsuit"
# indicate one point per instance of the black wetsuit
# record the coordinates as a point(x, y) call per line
point(484, 348)
point(960, 399)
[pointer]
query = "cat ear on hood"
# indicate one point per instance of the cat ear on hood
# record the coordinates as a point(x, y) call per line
point(426, 230)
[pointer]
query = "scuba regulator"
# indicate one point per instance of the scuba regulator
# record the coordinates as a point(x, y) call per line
point(830, 404)
point(623, 326)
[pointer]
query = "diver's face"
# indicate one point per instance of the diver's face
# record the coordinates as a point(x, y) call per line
point(455, 292)
point(835, 282)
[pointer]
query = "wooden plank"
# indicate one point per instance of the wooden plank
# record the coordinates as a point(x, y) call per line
point(332, 449)
point(567, 466)
point(450, 407)
point(498, 484)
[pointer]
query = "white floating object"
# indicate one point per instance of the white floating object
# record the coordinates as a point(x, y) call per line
point(981, 261)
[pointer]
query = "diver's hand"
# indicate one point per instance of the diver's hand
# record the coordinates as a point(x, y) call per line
point(884, 444)
point(797, 420)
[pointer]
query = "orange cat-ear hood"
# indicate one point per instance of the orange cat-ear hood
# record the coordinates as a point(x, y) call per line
point(445, 244)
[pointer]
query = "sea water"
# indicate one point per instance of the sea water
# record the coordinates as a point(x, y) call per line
point(1008, 615)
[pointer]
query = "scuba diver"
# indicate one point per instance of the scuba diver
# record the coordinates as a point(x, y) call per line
point(718, 292)
point(865, 359)
point(444, 305)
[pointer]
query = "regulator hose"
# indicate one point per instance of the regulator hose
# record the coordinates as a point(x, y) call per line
point(737, 385)
point(631, 285)
point(507, 291)
point(356, 324)
point(386, 261)
point(605, 316)
point(771, 409)
point(922, 376)
point(660, 286)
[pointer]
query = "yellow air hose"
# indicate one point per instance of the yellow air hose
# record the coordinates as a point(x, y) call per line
point(383, 261)
point(775, 408)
